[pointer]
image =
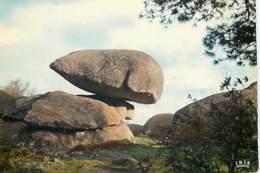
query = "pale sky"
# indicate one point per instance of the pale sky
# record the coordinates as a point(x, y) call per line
point(33, 34)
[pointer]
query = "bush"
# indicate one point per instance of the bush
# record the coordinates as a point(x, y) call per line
point(214, 142)
point(18, 88)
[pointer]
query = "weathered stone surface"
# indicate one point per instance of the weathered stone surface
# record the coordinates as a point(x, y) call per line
point(160, 125)
point(17, 109)
point(128, 74)
point(63, 141)
point(203, 107)
point(65, 111)
point(5, 100)
point(136, 129)
point(123, 108)
point(10, 132)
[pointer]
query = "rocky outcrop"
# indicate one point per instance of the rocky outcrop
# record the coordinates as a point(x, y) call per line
point(65, 111)
point(159, 126)
point(19, 133)
point(203, 107)
point(60, 141)
point(18, 108)
point(128, 74)
point(136, 129)
point(58, 121)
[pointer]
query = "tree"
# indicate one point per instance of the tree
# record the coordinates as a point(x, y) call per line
point(235, 29)
point(18, 88)
point(234, 126)
point(227, 134)
point(191, 149)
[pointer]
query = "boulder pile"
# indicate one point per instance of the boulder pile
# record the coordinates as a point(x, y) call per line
point(59, 121)
point(164, 125)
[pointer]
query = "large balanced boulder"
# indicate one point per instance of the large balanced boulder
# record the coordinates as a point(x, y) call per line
point(60, 110)
point(123, 108)
point(136, 129)
point(159, 126)
point(60, 141)
point(203, 107)
point(128, 74)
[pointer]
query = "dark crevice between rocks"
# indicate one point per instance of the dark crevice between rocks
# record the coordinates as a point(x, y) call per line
point(36, 127)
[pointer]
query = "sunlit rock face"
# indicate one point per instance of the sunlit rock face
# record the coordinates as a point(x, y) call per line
point(58, 121)
point(65, 111)
point(127, 74)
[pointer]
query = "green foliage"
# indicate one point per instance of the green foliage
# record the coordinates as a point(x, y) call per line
point(234, 126)
point(17, 159)
point(20, 159)
point(235, 31)
point(192, 150)
point(145, 140)
point(73, 166)
point(214, 142)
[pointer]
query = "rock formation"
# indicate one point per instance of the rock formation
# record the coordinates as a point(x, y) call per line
point(136, 129)
point(65, 111)
point(118, 134)
point(203, 107)
point(159, 126)
point(127, 74)
point(125, 109)
point(18, 108)
point(59, 121)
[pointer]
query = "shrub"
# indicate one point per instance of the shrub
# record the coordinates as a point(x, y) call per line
point(214, 142)
point(18, 88)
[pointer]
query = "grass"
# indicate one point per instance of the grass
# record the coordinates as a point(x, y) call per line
point(73, 166)
point(17, 159)
point(145, 140)
point(25, 160)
